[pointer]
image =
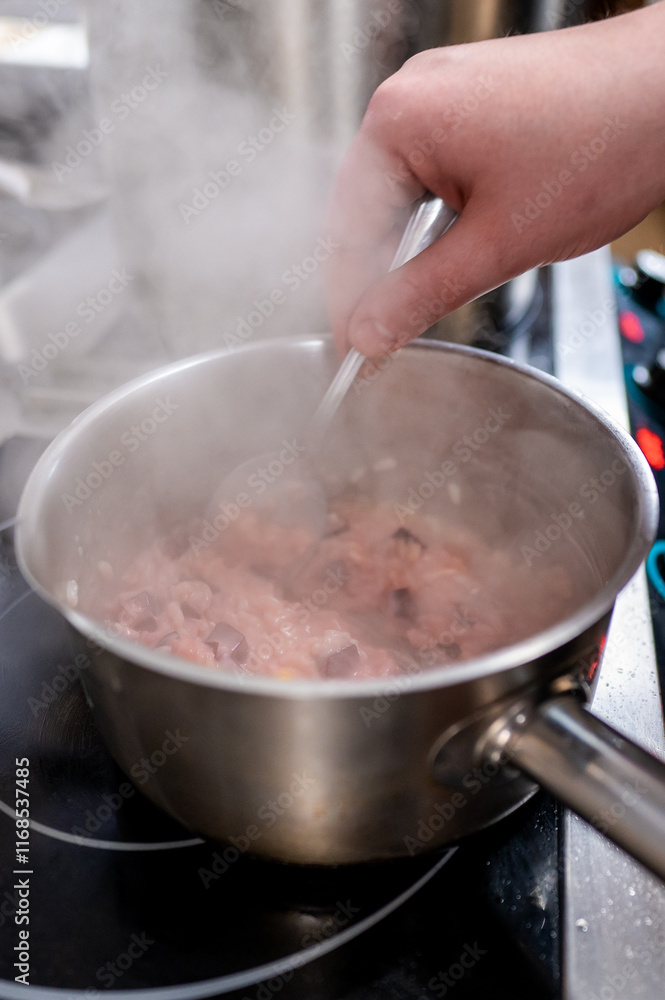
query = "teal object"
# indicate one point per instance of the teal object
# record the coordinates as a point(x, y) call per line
point(653, 572)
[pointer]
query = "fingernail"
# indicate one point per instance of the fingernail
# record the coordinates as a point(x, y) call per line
point(372, 338)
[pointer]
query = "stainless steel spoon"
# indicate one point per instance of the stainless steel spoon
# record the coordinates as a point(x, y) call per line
point(296, 497)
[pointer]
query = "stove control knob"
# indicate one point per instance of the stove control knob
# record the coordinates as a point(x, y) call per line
point(649, 285)
point(652, 380)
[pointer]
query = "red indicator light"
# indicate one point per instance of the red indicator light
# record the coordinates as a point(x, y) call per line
point(630, 327)
point(593, 666)
point(652, 447)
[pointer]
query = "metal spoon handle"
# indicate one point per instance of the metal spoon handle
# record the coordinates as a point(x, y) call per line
point(337, 390)
point(430, 219)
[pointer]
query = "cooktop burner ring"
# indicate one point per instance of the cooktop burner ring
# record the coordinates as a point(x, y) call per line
point(102, 845)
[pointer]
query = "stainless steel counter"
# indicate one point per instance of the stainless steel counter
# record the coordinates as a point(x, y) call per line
point(614, 911)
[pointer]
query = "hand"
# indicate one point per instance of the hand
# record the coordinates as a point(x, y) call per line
point(549, 145)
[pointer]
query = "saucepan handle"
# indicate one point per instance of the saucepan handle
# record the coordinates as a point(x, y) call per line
point(607, 779)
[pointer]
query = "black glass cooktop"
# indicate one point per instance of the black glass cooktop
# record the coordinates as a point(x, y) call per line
point(102, 894)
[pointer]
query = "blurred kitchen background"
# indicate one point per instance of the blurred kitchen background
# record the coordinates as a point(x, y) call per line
point(164, 169)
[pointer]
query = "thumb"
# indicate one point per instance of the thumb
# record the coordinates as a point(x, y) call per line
point(458, 267)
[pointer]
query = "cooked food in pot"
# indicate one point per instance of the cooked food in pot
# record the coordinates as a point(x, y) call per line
point(374, 598)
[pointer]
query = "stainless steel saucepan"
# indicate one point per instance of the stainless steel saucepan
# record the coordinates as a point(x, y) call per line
point(340, 771)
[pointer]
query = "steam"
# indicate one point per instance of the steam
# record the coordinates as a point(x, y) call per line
point(218, 126)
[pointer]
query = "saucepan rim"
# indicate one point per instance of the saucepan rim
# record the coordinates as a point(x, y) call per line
point(542, 643)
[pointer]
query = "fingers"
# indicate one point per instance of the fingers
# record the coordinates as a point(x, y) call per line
point(367, 215)
point(501, 130)
point(396, 307)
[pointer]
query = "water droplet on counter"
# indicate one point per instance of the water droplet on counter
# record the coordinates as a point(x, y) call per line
point(72, 593)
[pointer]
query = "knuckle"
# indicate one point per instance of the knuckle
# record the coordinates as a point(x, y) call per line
point(382, 103)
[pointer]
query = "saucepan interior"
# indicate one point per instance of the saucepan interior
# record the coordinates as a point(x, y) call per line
point(469, 437)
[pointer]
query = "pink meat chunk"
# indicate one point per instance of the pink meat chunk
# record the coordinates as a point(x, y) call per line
point(370, 600)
